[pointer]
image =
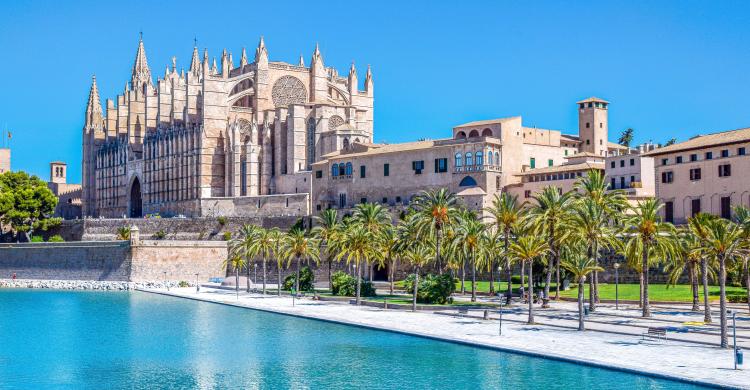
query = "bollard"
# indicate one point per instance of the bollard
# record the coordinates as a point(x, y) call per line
point(385, 303)
point(738, 356)
point(486, 314)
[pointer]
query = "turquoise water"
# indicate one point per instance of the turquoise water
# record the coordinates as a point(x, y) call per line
point(95, 340)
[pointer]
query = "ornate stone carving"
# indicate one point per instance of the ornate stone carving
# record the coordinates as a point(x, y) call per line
point(288, 90)
point(334, 122)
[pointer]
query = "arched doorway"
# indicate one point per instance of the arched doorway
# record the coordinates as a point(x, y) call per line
point(136, 204)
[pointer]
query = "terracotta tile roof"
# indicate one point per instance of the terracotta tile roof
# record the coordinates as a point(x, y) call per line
point(613, 145)
point(564, 168)
point(702, 141)
point(487, 122)
point(593, 99)
point(382, 148)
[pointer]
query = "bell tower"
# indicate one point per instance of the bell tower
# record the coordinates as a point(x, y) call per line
point(593, 128)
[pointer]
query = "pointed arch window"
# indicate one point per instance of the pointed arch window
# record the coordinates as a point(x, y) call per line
point(348, 169)
point(310, 143)
point(497, 158)
point(489, 158)
point(335, 170)
point(469, 159)
point(479, 158)
point(459, 160)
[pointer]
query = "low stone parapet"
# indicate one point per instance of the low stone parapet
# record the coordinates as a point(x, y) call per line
point(85, 284)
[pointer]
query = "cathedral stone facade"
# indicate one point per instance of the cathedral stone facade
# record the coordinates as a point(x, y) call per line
point(226, 139)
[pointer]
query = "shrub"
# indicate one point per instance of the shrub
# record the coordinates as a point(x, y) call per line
point(306, 280)
point(516, 279)
point(123, 233)
point(227, 236)
point(222, 220)
point(37, 239)
point(183, 284)
point(432, 288)
point(56, 238)
point(343, 284)
point(160, 235)
point(737, 298)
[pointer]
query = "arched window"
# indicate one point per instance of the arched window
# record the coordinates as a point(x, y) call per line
point(348, 169)
point(310, 142)
point(497, 158)
point(460, 135)
point(335, 170)
point(479, 158)
point(346, 143)
point(469, 160)
point(473, 134)
point(341, 169)
point(458, 160)
point(467, 181)
point(489, 158)
point(486, 133)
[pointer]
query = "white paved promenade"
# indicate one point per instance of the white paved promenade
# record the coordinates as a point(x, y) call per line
point(690, 360)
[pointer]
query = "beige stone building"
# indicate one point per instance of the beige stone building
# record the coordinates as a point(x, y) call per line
point(68, 194)
point(4, 160)
point(233, 138)
point(481, 159)
point(703, 174)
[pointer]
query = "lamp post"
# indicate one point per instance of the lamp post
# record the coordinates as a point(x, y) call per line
point(734, 335)
point(165, 280)
point(255, 274)
point(197, 285)
point(617, 285)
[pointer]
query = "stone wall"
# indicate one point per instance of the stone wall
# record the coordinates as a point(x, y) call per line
point(181, 260)
point(103, 261)
point(284, 205)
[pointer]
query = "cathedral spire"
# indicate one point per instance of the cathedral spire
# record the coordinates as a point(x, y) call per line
point(368, 81)
point(317, 57)
point(141, 72)
point(195, 64)
point(94, 106)
point(353, 82)
point(214, 69)
point(243, 59)
point(301, 61)
point(261, 53)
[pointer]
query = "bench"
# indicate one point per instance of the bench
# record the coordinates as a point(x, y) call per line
point(462, 311)
point(655, 333)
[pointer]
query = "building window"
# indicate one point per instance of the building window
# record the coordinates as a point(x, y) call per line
point(441, 165)
point(497, 158)
point(318, 174)
point(363, 200)
point(622, 163)
point(566, 152)
point(362, 171)
point(679, 160)
point(725, 153)
point(310, 142)
point(741, 151)
point(349, 169)
point(709, 155)
point(695, 206)
point(726, 207)
point(467, 181)
point(342, 200)
point(479, 158)
point(667, 177)
point(398, 199)
point(550, 163)
point(669, 211)
point(527, 194)
point(587, 126)
point(335, 170)
point(497, 183)
point(386, 169)
point(725, 170)
point(693, 157)
point(417, 166)
point(632, 162)
point(632, 180)
point(469, 159)
point(613, 184)
point(622, 182)
point(342, 170)
point(459, 161)
point(385, 200)
point(665, 161)
point(489, 158)
point(532, 163)
point(612, 164)
point(588, 142)
point(695, 174)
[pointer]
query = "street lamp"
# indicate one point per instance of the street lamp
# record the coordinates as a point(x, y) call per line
point(197, 285)
point(617, 283)
point(255, 275)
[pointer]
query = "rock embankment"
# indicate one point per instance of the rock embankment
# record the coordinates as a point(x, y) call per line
point(84, 284)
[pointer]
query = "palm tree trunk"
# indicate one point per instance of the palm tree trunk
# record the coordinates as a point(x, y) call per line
point(508, 268)
point(237, 282)
point(473, 278)
point(747, 282)
point(416, 288)
point(581, 325)
point(359, 279)
point(644, 266)
point(640, 291)
point(463, 276)
point(694, 287)
point(531, 294)
point(278, 278)
point(492, 276)
point(723, 301)
point(704, 277)
point(550, 262)
point(522, 289)
point(596, 276)
point(296, 280)
point(371, 270)
point(264, 275)
point(391, 275)
point(438, 239)
point(330, 278)
point(546, 286)
point(592, 280)
point(247, 267)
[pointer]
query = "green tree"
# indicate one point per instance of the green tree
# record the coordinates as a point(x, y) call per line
point(626, 137)
point(242, 246)
point(236, 262)
point(506, 214)
point(298, 246)
point(375, 219)
point(278, 241)
point(526, 249)
point(688, 261)
point(580, 266)
point(262, 245)
point(26, 203)
point(698, 225)
point(359, 244)
point(468, 237)
point(653, 238)
point(435, 210)
point(326, 228)
point(418, 255)
point(742, 217)
point(670, 142)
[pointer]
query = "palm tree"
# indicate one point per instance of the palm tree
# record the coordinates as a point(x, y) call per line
point(263, 244)
point(278, 239)
point(527, 249)
point(241, 244)
point(357, 244)
point(392, 252)
point(326, 228)
point(724, 242)
point(435, 210)
point(551, 215)
point(742, 217)
point(468, 237)
point(374, 218)
point(298, 246)
point(698, 225)
point(580, 266)
point(236, 262)
point(506, 214)
point(626, 137)
point(418, 255)
point(652, 237)
point(687, 261)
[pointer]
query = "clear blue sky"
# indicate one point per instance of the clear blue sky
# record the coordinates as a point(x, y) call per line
point(670, 69)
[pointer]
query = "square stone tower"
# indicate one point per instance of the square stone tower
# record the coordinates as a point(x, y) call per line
point(593, 128)
point(58, 172)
